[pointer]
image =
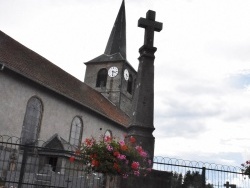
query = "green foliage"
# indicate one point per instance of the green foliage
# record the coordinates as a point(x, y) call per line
point(191, 179)
point(246, 168)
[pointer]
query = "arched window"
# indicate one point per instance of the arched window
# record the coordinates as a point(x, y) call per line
point(32, 121)
point(130, 84)
point(101, 78)
point(76, 131)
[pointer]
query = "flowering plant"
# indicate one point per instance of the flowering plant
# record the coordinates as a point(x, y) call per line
point(115, 157)
point(246, 168)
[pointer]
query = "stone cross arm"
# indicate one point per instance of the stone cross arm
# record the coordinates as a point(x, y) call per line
point(150, 26)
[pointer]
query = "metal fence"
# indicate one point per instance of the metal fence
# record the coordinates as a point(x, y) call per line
point(192, 174)
point(48, 164)
point(42, 164)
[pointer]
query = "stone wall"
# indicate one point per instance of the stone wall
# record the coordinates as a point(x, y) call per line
point(15, 91)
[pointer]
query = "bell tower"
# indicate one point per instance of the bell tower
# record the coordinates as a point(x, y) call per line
point(110, 73)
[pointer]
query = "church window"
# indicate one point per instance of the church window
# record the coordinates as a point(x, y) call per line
point(32, 121)
point(130, 84)
point(102, 78)
point(76, 131)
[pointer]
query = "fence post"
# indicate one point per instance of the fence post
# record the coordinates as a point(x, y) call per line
point(203, 177)
point(22, 171)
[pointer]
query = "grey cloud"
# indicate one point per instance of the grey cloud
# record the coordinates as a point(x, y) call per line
point(179, 128)
point(189, 108)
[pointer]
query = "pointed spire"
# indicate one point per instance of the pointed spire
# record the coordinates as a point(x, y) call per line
point(117, 38)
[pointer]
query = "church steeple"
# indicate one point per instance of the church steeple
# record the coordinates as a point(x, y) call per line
point(116, 46)
point(117, 38)
point(110, 73)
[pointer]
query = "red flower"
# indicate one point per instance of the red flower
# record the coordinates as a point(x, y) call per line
point(124, 147)
point(132, 139)
point(139, 149)
point(89, 142)
point(93, 156)
point(95, 163)
point(72, 159)
point(116, 153)
point(108, 139)
point(78, 152)
point(116, 166)
point(135, 165)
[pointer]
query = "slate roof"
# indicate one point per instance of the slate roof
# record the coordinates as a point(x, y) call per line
point(31, 65)
point(57, 142)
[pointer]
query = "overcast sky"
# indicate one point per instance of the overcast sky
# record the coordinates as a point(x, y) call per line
point(202, 65)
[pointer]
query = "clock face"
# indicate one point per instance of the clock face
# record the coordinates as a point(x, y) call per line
point(126, 74)
point(113, 71)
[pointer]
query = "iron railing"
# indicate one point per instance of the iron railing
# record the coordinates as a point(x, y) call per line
point(40, 165)
point(200, 174)
point(48, 164)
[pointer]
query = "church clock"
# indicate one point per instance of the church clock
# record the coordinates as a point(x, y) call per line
point(113, 71)
point(126, 74)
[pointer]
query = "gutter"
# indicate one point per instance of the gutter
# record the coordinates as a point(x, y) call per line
point(1, 66)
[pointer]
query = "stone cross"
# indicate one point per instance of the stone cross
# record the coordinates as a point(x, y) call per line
point(150, 26)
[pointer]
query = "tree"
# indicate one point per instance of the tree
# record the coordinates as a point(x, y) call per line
point(194, 180)
point(176, 180)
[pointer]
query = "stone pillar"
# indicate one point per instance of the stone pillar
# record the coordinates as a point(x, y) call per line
point(142, 124)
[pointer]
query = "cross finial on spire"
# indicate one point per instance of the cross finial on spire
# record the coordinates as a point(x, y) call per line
point(150, 26)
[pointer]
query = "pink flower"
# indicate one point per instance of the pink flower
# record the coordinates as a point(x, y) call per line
point(136, 173)
point(149, 169)
point(122, 157)
point(143, 154)
point(122, 143)
point(109, 148)
point(139, 149)
point(149, 162)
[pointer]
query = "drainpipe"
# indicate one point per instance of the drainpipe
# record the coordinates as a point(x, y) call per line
point(1, 66)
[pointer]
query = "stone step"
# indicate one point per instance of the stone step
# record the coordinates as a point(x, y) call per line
point(44, 177)
point(41, 182)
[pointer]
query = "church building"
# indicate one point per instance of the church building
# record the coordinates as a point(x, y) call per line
point(40, 101)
